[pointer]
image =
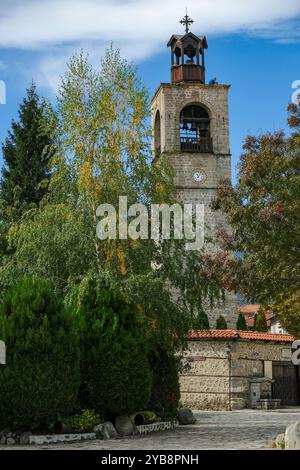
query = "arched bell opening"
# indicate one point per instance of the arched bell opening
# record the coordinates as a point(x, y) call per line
point(195, 130)
point(157, 135)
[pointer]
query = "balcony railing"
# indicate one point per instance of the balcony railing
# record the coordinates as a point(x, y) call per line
point(194, 144)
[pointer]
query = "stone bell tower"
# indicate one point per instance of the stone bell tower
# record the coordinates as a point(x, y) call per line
point(190, 124)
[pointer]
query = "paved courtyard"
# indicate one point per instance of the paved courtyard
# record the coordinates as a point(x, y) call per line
point(245, 429)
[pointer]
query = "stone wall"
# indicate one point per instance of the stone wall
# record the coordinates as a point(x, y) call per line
point(206, 384)
point(169, 100)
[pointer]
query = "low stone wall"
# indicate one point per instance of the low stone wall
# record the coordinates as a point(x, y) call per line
point(156, 427)
point(43, 439)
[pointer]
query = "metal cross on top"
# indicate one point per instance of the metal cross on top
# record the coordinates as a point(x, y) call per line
point(186, 21)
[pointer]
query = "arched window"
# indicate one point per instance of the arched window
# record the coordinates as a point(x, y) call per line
point(157, 135)
point(195, 130)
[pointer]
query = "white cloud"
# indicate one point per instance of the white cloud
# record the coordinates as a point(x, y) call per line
point(55, 28)
point(36, 23)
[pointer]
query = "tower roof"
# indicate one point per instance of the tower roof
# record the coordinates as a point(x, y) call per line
point(182, 38)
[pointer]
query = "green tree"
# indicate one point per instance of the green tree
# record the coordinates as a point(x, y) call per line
point(41, 378)
point(260, 322)
point(263, 212)
point(103, 151)
point(115, 370)
point(26, 153)
point(221, 323)
point(202, 322)
point(241, 323)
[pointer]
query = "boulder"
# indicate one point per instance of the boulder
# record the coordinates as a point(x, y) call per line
point(185, 416)
point(124, 426)
point(10, 441)
point(24, 438)
point(292, 436)
point(106, 430)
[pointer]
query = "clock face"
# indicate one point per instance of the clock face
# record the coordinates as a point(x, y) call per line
point(199, 176)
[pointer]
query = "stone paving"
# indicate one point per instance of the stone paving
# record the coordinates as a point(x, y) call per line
point(244, 429)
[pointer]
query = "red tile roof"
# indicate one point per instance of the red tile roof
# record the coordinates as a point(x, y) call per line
point(249, 312)
point(236, 334)
point(251, 308)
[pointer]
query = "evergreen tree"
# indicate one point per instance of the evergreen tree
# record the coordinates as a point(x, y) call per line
point(26, 153)
point(241, 323)
point(221, 323)
point(40, 382)
point(202, 322)
point(260, 322)
point(115, 371)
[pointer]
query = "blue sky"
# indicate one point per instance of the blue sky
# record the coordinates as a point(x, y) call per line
point(254, 46)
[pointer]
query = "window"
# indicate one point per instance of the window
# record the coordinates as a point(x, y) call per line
point(195, 130)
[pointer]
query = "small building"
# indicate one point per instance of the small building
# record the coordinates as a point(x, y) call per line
point(230, 369)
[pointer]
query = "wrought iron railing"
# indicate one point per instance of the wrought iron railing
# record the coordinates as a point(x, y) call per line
point(194, 144)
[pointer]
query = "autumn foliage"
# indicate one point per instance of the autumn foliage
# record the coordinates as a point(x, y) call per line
point(263, 210)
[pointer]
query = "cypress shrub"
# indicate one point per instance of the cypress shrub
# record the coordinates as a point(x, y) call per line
point(221, 323)
point(241, 323)
point(165, 394)
point(202, 322)
point(115, 370)
point(260, 322)
point(41, 379)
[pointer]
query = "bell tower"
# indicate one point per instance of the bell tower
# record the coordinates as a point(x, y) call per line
point(191, 126)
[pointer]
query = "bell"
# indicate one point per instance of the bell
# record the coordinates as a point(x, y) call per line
point(194, 127)
point(184, 126)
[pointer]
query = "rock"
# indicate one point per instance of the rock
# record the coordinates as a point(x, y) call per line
point(111, 430)
point(106, 430)
point(280, 441)
point(185, 416)
point(10, 441)
point(124, 426)
point(3, 440)
point(292, 436)
point(24, 438)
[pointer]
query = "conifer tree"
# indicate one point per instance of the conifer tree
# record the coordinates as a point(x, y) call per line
point(221, 323)
point(202, 322)
point(260, 322)
point(26, 154)
point(241, 323)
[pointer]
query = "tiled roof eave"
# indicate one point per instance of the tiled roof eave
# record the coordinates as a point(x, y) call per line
point(239, 335)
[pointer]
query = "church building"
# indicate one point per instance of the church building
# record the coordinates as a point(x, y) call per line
point(229, 369)
point(191, 125)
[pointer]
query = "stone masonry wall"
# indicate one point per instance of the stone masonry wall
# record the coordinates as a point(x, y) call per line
point(206, 384)
point(169, 100)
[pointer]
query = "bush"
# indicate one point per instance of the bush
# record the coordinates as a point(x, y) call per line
point(41, 379)
point(241, 323)
point(260, 322)
point(165, 394)
point(83, 422)
point(115, 371)
point(202, 322)
point(221, 323)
